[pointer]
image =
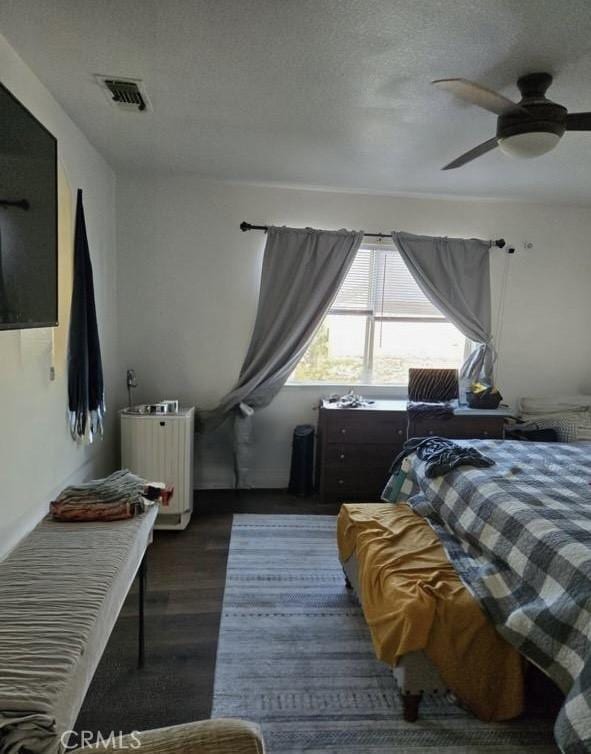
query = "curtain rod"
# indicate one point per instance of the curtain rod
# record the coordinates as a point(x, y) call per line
point(244, 226)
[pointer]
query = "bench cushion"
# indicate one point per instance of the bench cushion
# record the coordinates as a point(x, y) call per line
point(61, 590)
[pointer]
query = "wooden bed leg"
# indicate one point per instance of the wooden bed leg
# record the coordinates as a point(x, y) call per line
point(410, 706)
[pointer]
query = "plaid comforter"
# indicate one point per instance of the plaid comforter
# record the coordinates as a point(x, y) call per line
point(525, 527)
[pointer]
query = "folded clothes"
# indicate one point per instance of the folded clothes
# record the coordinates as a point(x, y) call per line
point(73, 511)
point(441, 455)
point(118, 496)
point(569, 426)
point(565, 427)
point(439, 409)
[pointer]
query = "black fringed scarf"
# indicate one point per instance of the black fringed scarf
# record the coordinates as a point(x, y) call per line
point(85, 370)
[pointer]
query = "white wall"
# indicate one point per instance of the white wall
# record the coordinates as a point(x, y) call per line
point(37, 455)
point(189, 281)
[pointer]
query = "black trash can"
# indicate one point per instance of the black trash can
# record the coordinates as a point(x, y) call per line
point(301, 477)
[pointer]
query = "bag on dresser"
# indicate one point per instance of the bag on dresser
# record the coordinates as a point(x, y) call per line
point(432, 385)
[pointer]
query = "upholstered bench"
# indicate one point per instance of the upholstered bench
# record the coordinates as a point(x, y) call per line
point(414, 673)
point(61, 590)
point(422, 619)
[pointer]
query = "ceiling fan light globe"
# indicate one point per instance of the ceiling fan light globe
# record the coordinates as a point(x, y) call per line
point(532, 144)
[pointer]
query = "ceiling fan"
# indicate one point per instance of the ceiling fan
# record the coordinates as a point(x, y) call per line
point(527, 128)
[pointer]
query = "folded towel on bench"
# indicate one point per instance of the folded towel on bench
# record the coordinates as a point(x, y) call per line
point(116, 497)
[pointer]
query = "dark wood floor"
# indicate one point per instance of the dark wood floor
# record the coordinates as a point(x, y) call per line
point(183, 608)
point(186, 577)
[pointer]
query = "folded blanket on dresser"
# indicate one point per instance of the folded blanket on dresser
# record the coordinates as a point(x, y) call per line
point(526, 522)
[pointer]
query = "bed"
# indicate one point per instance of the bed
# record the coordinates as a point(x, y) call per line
point(519, 536)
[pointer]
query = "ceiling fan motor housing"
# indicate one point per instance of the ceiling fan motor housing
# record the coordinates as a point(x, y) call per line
point(545, 116)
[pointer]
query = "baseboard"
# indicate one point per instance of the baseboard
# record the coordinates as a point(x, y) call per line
point(259, 480)
point(218, 477)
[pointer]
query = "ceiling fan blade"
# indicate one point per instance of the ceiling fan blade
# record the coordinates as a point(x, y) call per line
point(481, 149)
point(578, 122)
point(476, 94)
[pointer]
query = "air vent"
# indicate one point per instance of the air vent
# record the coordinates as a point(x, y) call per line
point(125, 94)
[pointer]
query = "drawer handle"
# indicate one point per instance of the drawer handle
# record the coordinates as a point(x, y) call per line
point(342, 456)
point(343, 431)
point(341, 481)
point(430, 431)
point(399, 432)
point(485, 434)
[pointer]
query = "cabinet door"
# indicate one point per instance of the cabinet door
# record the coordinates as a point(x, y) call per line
point(160, 450)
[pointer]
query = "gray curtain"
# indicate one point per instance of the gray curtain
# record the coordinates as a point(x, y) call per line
point(454, 274)
point(302, 272)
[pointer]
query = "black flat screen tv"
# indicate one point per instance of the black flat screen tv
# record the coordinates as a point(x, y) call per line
point(28, 219)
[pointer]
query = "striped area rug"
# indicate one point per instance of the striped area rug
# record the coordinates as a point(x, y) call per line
point(295, 655)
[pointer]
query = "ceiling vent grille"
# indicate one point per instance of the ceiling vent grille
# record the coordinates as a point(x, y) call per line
point(125, 94)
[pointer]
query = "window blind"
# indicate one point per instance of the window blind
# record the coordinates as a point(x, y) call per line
point(355, 294)
point(379, 283)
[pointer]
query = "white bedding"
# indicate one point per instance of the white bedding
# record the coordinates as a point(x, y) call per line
point(570, 415)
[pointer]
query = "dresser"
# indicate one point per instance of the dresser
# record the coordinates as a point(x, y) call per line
point(357, 445)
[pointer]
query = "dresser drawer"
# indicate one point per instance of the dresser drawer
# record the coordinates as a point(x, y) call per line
point(376, 428)
point(459, 427)
point(354, 483)
point(361, 456)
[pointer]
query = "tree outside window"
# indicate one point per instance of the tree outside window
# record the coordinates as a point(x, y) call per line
point(379, 326)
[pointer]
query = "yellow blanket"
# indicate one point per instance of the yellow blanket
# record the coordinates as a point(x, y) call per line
point(413, 599)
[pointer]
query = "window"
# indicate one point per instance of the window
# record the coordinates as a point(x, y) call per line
point(379, 325)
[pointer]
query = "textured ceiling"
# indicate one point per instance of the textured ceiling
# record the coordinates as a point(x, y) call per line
point(315, 92)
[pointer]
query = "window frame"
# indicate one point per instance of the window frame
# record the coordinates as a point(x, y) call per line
point(371, 318)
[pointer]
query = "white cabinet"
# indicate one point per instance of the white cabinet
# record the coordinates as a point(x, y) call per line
point(159, 448)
